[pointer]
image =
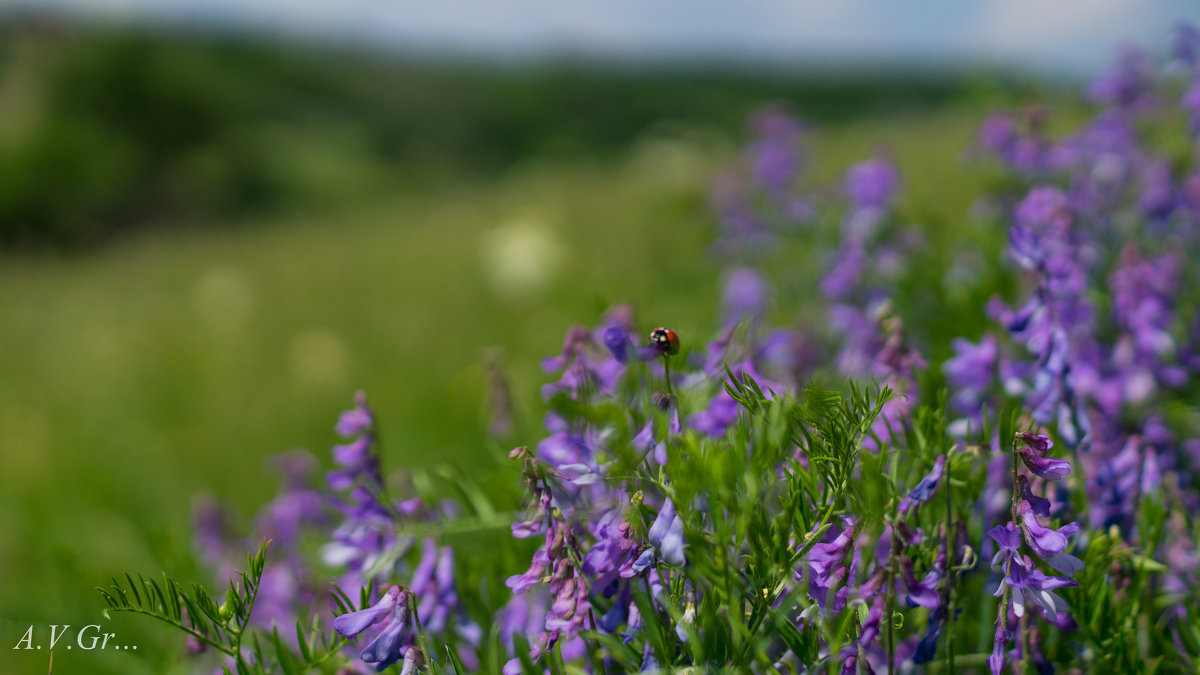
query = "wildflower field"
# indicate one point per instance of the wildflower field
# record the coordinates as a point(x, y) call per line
point(905, 395)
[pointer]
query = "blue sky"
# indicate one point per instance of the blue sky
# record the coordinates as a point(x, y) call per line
point(1066, 36)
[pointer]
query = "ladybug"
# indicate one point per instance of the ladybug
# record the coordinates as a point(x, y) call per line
point(665, 340)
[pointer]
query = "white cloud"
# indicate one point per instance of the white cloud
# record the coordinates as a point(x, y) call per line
point(1070, 31)
point(1075, 34)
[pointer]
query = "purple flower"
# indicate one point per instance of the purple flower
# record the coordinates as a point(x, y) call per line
point(997, 134)
point(569, 610)
point(563, 448)
point(924, 489)
point(1008, 541)
point(440, 607)
point(647, 439)
point(214, 534)
point(1037, 442)
point(554, 566)
point(586, 367)
point(1127, 82)
point(1035, 589)
point(872, 184)
point(1158, 198)
point(612, 555)
point(1039, 505)
point(870, 627)
point(775, 158)
point(519, 583)
point(927, 647)
point(666, 535)
point(745, 295)
point(360, 464)
point(393, 642)
point(618, 342)
point(1048, 544)
point(1043, 209)
point(351, 624)
point(999, 641)
point(1052, 469)
point(722, 412)
point(843, 277)
point(971, 372)
point(357, 420)
point(298, 505)
point(921, 593)
point(1191, 103)
point(577, 339)
point(825, 563)
point(525, 614)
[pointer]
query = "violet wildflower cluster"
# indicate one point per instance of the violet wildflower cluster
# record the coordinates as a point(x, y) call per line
point(809, 485)
point(364, 541)
point(1101, 348)
point(1025, 591)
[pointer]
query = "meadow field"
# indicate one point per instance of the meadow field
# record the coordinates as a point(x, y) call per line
point(163, 367)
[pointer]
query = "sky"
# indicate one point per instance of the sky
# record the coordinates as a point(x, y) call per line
point(1072, 37)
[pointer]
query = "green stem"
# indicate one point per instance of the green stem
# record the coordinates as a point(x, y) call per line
point(862, 651)
point(1022, 636)
point(891, 606)
point(951, 553)
point(241, 631)
point(219, 647)
point(1015, 496)
point(667, 368)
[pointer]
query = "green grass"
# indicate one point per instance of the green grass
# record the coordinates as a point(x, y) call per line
point(163, 367)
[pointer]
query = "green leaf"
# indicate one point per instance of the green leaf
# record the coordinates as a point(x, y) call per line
point(455, 661)
point(302, 643)
point(282, 655)
point(615, 649)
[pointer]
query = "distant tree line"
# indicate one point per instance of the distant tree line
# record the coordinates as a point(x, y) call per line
point(131, 128)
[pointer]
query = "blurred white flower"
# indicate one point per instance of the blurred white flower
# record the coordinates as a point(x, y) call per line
point(521, 257)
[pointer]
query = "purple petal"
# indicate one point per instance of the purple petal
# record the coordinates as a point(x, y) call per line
point(618, 342)
point(356, 420)
point(996, 659)
point(919, 594)
point(672, 543)
point(929, 484)
point(1051, 469)
point(353, 623)
point(1041, 538)
point(1036, 441)
point(1005, 537)
point(387, 648)
point(661, 524)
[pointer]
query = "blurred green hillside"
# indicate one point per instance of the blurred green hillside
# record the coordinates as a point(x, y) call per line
point(285, 226)
point(108, 131)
